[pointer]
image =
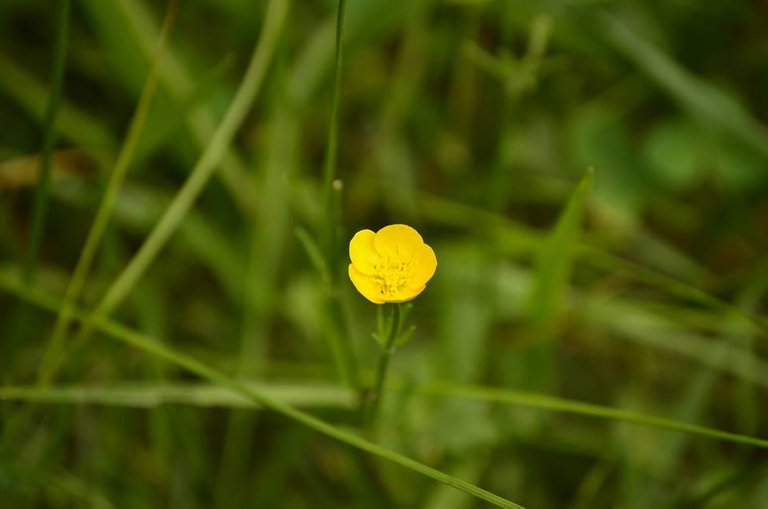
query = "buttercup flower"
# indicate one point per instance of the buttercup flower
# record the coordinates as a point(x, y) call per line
point(391, 265)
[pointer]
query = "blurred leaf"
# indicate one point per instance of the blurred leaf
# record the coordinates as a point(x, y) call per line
point(739, 169)
point(149, 395)
point(555, 260)
point(708, 103)
point(599, 139)
point(672, 153)
point(74, 123)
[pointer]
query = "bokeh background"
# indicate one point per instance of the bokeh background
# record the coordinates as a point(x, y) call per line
point(472, 120)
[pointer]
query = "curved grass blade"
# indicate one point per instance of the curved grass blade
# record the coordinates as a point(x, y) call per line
point(335, 396)
point(192, 365)
point(52, 354)
point(203, 170)
point(541, 401)
point(185, 88)
point(696, 95)
point(518, 238)
point(42, 195)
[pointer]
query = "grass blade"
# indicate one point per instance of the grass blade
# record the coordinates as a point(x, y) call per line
point(541, 401)
point(314, 395)
point(521, 239)
point(41, 197)
point(158, 350)
point(699, 97)
point(52, 353)
point(556, 258)
point(321, 394)
point(40, 207)
point(208, 162)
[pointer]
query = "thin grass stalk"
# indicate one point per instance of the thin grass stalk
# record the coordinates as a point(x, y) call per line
point(201, 173)
point(338, 341)
point(40, 207)
point(42, 194)
point(181, 87)
point(332, 145)
point(446, 211)
point(200, 395)
point(541, 401)
point(52, 354)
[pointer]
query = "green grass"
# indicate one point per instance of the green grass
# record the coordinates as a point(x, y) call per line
point(177, 328)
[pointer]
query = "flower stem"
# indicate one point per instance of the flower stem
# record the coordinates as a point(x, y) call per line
point(373, 398)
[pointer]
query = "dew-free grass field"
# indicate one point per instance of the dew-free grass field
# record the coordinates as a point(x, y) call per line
point(179, 183)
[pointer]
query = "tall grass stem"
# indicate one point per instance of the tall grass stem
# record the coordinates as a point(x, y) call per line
point(42, 195)
point(52, 355)
point(206, 165)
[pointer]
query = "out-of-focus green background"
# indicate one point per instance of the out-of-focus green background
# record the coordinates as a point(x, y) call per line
point(471, 120)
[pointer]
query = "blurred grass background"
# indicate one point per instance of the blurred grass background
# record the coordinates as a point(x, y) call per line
point(472, 120)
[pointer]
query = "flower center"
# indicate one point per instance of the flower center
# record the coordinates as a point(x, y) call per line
point(391, 276)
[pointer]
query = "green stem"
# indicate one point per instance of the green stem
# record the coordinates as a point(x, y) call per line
point(336, 336)
point(373, 398)
point(332, 146)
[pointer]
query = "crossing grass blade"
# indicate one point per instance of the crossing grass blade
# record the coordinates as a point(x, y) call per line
point(42, 191)
point(515, 238)
point(325, 395)
point(192, 365)
point(52, 354)
point(206, 165)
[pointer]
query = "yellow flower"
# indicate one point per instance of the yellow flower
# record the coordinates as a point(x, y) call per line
point(391, 265)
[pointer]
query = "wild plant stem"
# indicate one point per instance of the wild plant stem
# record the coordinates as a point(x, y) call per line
point(332, 146)
point(338, 340)
point(372, 400)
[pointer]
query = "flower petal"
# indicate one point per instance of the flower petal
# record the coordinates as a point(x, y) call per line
point(405, 294)
point(397, 242)
point(365, 285)
point(363, 253)
point(423, 266)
